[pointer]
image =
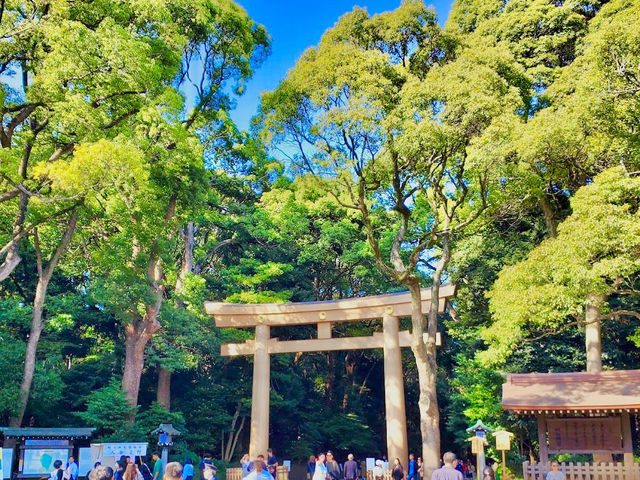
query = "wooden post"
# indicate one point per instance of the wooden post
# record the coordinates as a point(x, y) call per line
point(259, 441)
point(397, 445)
point(542, 439)
point(504, 464)
point(627, 445)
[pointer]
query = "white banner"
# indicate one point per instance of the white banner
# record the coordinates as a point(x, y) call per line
point(7, 462)
point(119, 449)
point(371, 463)
point(85, 464)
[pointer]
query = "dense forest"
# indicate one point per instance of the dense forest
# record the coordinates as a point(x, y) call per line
point(500, 153)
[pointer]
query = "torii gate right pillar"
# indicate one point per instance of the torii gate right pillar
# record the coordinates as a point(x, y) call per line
point(397, 446)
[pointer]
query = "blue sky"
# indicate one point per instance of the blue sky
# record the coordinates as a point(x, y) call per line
point(294, 26)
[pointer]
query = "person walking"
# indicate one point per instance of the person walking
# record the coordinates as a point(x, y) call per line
point(333, 469)
point(57, 473)
point(350, 468)
point(206, 460)
point(555, 473)
point(102, 472)
point(420, 466)
point(158, 468)
point(130, 472)
point(378, 470)
point(121, 467)
point(272, 463)
point(72, 469)
point(173, 471)
point(448, 471)
point(411, 473)
point(398, 471)
point(144, 469)
point(245, 464)
point(187, 469)
point(259, 472)
point(311, 467)
point(320, 472)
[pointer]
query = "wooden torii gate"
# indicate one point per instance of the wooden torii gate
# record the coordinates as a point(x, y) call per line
point(262, 317)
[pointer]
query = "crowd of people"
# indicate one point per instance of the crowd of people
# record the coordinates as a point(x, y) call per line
point(128, 470)
point(324, 466)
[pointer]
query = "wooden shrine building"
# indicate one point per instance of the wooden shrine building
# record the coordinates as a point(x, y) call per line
point(263, 317)
point(580, 413)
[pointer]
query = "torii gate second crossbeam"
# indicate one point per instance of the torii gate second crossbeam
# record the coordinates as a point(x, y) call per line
point(264, 316)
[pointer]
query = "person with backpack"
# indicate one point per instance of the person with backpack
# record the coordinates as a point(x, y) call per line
point(120, 469)
point(206, 460)
point(144, 469)
point(57, 473)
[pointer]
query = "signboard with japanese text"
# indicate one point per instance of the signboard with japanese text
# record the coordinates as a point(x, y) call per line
point(477, 444)
point(128, 449)
point(584, 435)
point(503, 440)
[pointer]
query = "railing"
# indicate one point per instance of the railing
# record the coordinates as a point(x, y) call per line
point(386, 475)
point(584, 471)
point(236, 473)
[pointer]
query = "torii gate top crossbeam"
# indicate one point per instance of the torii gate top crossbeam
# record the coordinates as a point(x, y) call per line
point(306, 313)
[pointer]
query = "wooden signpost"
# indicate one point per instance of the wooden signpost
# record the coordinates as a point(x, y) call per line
point(503, 443)
point(478, 442)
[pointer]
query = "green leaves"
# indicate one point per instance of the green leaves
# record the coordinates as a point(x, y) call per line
point(109, 412)
point(596, 246)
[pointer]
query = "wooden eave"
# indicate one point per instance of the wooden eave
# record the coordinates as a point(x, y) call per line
point(576, 393)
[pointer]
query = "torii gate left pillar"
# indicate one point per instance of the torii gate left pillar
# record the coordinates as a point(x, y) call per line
point(259, 442)
point(391, 340)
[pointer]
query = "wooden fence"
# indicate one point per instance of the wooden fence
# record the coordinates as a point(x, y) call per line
point(585, 471)
point(236, 473)
point(386, 475)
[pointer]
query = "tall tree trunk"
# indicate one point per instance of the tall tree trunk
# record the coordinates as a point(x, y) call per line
point(12, 257)
point(549, 215)
point(163, 395)
point(593, 338)
point(164, 388)
point(30, 356)
point(593, 345)
point(137, 335)
point(37, 321)
point(330, 378)
point(140, 331)
point(234, 434)
point(426, 361)
point(133, 362)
